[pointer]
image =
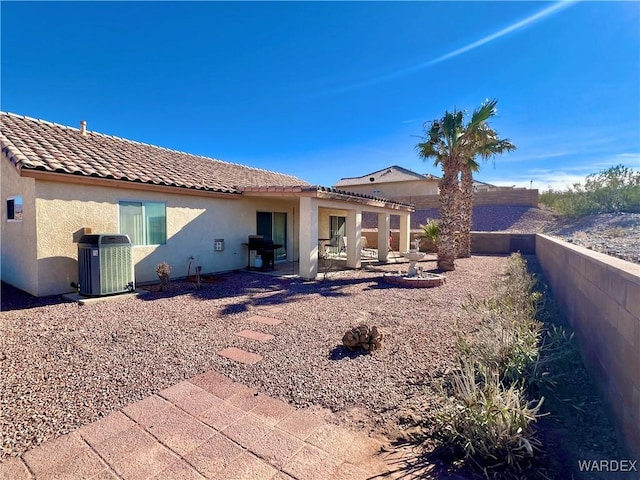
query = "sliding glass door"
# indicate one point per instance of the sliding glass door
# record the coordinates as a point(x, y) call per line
point(337, 231)
point(273, 226)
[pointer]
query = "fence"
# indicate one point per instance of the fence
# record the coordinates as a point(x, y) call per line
point(601, 298)
point(519, 197)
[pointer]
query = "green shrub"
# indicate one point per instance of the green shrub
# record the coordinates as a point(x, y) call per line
point(616, 189)
point(431, 230)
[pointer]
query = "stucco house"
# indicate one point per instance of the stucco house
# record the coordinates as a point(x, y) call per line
point(399, 182)
point(393, 181)
point(58, 181)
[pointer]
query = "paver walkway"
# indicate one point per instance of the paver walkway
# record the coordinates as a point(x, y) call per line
point(242, 356)
point(206, 427)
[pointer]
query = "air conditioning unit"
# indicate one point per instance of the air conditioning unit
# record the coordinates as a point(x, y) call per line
point(105, 264)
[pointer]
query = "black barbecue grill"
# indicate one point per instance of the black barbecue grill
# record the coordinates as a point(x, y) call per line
point(263, 247)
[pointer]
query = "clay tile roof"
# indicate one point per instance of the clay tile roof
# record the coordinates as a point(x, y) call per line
point(40, 145)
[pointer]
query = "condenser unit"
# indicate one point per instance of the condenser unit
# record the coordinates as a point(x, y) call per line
point(105, 265)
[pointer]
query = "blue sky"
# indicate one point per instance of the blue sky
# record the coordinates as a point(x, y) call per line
point(325, 90)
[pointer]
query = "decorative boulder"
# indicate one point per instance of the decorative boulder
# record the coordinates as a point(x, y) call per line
point(362, 336)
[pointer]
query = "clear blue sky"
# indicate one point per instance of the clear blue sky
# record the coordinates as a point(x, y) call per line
point(328, 90)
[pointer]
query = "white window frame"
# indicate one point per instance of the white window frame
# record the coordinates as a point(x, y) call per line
point(144, 223)
point(14, 197)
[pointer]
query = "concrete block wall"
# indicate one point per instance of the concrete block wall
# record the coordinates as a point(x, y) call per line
point(520, 197)
point(486, 243)
point(503, 243)
point(601, 298)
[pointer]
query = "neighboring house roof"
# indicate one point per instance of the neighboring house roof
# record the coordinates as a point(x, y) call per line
point(386, 175)
point(484, 183)
point(38, 145)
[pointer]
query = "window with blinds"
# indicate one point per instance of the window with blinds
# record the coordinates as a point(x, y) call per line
point(144, 222)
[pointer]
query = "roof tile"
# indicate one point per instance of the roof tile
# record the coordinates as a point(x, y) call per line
point(40, 145)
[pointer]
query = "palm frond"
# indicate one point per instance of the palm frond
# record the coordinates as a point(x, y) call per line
point(484, 113)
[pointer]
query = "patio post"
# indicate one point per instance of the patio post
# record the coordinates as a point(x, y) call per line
point(354, 238)
point(384, 224)
point(308, 238)
point(405, 232)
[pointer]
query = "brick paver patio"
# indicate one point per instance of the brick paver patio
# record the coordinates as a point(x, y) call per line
point(206, 427)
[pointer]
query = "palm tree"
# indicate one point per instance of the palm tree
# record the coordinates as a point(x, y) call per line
point(444, 143)
point(484, 142)
point(466, 207)
point(454, 146)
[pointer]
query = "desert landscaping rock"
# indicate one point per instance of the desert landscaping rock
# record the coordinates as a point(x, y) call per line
point(240, 355)
point(615, 234)
point(253, 335)
point(265, 320)
point(65, 365)
point(69, 365)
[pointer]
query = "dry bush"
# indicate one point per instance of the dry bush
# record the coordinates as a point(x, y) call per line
point(489, 425)
point(486, 418)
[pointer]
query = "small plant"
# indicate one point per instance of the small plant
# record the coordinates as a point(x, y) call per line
point(431, 231)
point(163, 270)
point(617, 232)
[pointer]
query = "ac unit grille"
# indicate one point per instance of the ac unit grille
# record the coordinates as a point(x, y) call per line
point(84, 270)
point(105, 264)
point(115, 269)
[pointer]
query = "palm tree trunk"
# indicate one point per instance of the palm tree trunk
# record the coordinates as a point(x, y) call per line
point(448, 217)
point(466, 213)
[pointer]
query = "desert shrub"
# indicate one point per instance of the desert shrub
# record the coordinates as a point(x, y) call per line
point(486, 417)
point(556, 349)
point(163, 270)
point(617, 232)
point(489, 425)
point(616, 189)
point(508, 336)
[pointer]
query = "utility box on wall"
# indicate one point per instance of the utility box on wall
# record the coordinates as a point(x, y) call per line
point(105, 265)
point(218, 244)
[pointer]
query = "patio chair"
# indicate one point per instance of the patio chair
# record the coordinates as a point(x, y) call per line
point(332, 247)
point(366, 251)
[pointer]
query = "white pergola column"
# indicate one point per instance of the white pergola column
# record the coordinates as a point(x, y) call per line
point(405, 232)
point(308, 238)
point(354, 238)
point(384, 224)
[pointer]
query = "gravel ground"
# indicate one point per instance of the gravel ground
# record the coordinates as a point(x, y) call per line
point(615, 234)
point(65, 365)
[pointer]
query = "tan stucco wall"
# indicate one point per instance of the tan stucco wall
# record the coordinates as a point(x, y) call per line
point(323, 220)
point(396, 189)
point(192, 225)
point(18, 239)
